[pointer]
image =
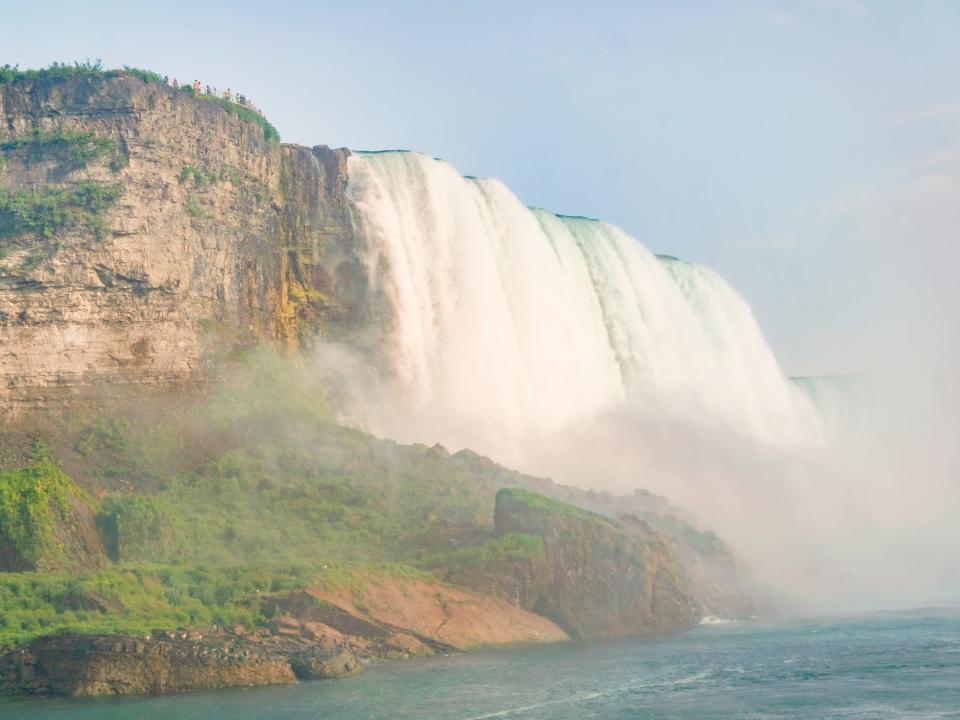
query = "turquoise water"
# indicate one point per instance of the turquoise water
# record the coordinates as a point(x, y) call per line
point(896, 665)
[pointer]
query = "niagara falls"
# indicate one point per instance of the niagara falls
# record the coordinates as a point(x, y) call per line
point(459, 361)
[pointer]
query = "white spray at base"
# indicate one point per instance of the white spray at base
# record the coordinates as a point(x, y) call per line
point(561, 346)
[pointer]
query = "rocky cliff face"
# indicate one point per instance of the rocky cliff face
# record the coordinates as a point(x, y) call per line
point(106, 665)
point(708, 567)
point(208, 235)
point(591, 576)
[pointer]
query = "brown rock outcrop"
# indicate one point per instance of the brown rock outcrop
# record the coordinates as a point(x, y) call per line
point(220, 237)
point(591, 576)
point(392, 615)
point(109, 665)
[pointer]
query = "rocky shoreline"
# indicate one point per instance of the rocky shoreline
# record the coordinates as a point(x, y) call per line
point(310, 638)
point(167, 663)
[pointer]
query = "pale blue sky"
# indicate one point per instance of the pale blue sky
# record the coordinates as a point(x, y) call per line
point(809, 150)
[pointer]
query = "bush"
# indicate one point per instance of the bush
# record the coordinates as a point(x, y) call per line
point(45, 211)
point(135, 599)
point(30, 499)
point(269, 131)
point(509, 548)
point(199, 176)
point(71, 149)
point(64, 71)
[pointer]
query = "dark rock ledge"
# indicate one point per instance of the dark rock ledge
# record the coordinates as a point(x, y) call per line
point(167, 663)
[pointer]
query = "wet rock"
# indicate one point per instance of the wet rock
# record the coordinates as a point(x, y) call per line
point(317, 665)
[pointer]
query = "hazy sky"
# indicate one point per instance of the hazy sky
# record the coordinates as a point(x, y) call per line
point(809, 150)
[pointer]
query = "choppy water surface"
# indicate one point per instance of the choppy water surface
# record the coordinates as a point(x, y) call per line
point(897, 665)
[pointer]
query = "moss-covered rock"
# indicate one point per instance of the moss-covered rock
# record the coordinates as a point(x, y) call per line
point(46, 522)
point(593, 577)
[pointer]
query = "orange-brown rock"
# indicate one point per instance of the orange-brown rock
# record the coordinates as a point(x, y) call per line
point(436, 615)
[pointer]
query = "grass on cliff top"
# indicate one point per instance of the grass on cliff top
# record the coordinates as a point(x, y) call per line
point(87, 69)
point(269, 131)
point(135, 599)
point(66, 71)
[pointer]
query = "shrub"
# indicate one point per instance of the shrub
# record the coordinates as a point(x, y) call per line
point(199, 176)
point(30, 499)
point(269, 131)
point(71, 149)
point(192, 205)
point(64, 71)
point(509, 548)
point(47, 210)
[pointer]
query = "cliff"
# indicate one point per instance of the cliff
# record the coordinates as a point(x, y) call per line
point(708, 566)
point(150, 240)
point(590, 575)
point(144, 230)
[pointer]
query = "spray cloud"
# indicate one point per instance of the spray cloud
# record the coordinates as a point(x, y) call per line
point(562, 346)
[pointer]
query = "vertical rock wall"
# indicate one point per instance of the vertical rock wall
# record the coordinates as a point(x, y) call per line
point(220, 237)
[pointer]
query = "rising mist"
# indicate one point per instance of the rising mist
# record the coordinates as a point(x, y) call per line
point(563, 347)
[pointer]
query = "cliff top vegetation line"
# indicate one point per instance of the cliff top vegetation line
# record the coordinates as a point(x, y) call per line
point(66, 71)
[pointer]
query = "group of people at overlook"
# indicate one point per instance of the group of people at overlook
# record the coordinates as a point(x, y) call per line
point(227, 95)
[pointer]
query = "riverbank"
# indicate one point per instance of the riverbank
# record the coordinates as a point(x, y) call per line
point(879, 666)
point(312, 633)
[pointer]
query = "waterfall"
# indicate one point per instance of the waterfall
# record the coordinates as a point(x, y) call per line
point(506, 320)
point(561, 346)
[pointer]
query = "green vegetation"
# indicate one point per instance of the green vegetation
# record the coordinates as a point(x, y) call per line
point(202, 177)
point(259, 472)
point(509, 548)
point(332, 493)
point(135, 599)
point(542, 503)
point(87, 69)
point(34, 260)
point(46, 210)
point(30, 499)
point(250, 491)
point(65, 71)
point(193, 206)
point(704, 542)
point(199, 176)
point(71, 149)
point(269, 131)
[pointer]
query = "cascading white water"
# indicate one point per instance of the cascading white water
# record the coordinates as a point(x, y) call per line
point(510, 321)
point(561, 346)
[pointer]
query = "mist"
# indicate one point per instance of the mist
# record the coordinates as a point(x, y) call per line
point(636, 371)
